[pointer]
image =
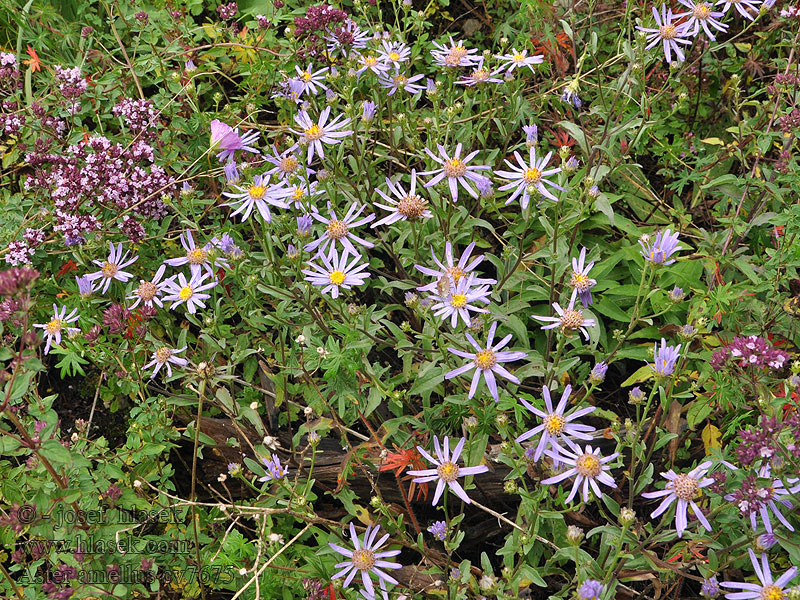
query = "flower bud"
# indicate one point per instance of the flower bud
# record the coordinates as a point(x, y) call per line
point(626, 516)
point(574, 535)
point(510, 487)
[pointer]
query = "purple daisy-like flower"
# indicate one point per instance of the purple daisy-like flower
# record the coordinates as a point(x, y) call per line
point(408, 206)
point(447, 470)
point(454, 55)
point(701, 14)
point(451, 270)
point(683, 487)
point(148, 291)
point(274, 469)
point(568, 319)
point(768, 590)
point(669, 34)
point(259, 196)
point(190, 292)
point(529, 175)
point(519, 60)
point(394, 53)
point(85, 286)
point(163, 357)
point(439, 530)
point(196, 257)
point(589, 467)
point(743, 7)
point(664, 246)
point(479, 76)
point(556, 425)
point(285, 164)
point(227, 139)
point(312, 80)
point(665, 358)
point(591, 589)
point(59, 322)
point(400, 81)
point(367, 62)
point(112, 268)
point(301, 194)
point(455, 169)
point(341, 230)
point(456, 299)
point(316, 134)
point(336, 272)
point(580, 279)
point(487, 361)
point(366, 559)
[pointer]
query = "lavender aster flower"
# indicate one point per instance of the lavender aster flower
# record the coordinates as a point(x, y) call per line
point(190, 292)
point(148, 291)
point(400, 81)
point(365, 559)
point(304, 224)
point(526, 178)
point(710, 588)
point(664, 246)
point(455, 55)
point(394, 53)
point(284, 164)
point(580, 279)
point(85, 287)
point(455, 169)
point(669, 34)
point(518, 60)
point(447, 470)
point(598, 374)
point(756, 500)
point(274, 469)
point(701, 14)
point(112, 268)
point(456, 299)
point(259, 196)
point(196, 257)
point(591, 589)
point(312, 80)
point(408, 207)
point(556, 425)
point(487, 361)
point(367, 62)
point(59, 322)
point(768, 590)
point(451, 270)
point(531, 134)
point(336, 272)
point(479, 76)
point(368, 111)
point(747, 8)
point(231, 172)
point(163, 357)
point(588, 467)
point(439, 530)
point(300, 195)
point(765, 541)
point(316, 134)
point(665, 358)
point(568, 320)
point(683, 487)
point(341, 230)
point(227, 139)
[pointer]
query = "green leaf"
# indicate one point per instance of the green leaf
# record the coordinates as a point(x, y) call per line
point(643, 373)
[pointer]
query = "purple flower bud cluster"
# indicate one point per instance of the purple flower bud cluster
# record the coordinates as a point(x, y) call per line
point(72, 85)
point(759, 443)
point(19, 253)
point(10, 122)
point(88, 178)
point(116, 318)
point(56, 125)
point(791, 12)
point(10, 79)
point(139, 116)
point(750, 351)
point(318, 21)
point(227, 12)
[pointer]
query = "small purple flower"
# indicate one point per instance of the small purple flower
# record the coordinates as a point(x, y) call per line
point(479, 76)
point(636, 395)
point(455, 55)
point(231, 172)
point(148, 291)
point(163, 357)
point(59, 322)
point(274, 469)
point(568, 319)
point(710, 588)
point(312, 80)
point(316, 134)
point(664, 246)
point(518, 60)
point(666, 32)
point(531, 134)
point(453, 270)
point(676, 294)
point(701, 14)
point(227, 139)
point(684, 488)
point(556, 425)
point(340, 230)
point(85, 287)
point(285, 163)
point(400, 81)
point(580, 279)
point(112, 267)
point(525, 178)
point(591, 589)
point(447, 470)
point(598, 374)
point(765, 541)
point(588, 467)
point(408, 206)
point(456, 299)
point(756, 500)
point(455, 169)
point(487, 361)
point(743, 7)
point(365, 559)
point(304, 224)
point(189, 292)
point(368, 111)
point(768, 590)
point(439, 530)
point(336, 272)
point(665, 358)
point(196, 257)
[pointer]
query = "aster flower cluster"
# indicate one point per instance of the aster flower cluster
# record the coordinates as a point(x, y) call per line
point(750, 351)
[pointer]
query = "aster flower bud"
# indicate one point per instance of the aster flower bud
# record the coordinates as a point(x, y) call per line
point(411, 299)
point(687, 332)
point(593, 192)
point(506, 448)
point(375, 502)
point(572, 165)
point(504, 41)
point(710, 588)
point(405, 327)
point(564, 152)
point(636, 396)
point(677, 294)
point(793, 593)
point(510, 487)
point(598, 374)
point(471, 423)
point(313, 438)
point(574, 535)
point(626, 516)
point(292, 252)
point(764, 542)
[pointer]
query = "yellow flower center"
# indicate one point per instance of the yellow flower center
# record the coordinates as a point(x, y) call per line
point(314, 132)
point(163, 354)
point(571, 319)
point(288, 165)
point(455, 167)
point(772, 592)
point(186, 292)
point(554, 424)
point(147, 290)
point(701, 11)
point(455, 55)
point(394, 56)
point(518, 58)
point(588, 465)
point(668, 32)
point(401, 80)
point(685, 487)
point(480, 75)
point(298, 193)
point(447, 471)
point(412, 207)
point(257, 192)
point(485, 359)
point(363, 559)
point(370, 61)
point(306, 76)
point(579, 281)
point(53, 326)
point(456, 273)
point(336, 277)
point(337, 229)
point(532, 176)
point(109, 269)
point(458, 301)
point(197, 256)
